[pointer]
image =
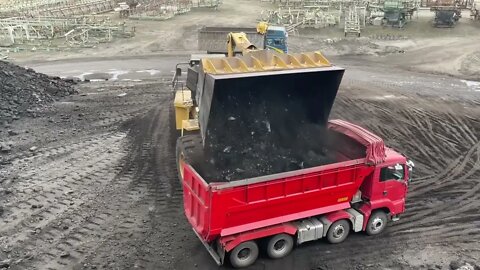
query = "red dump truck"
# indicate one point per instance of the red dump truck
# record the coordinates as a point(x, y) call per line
point(286, 209)
point(326, 178)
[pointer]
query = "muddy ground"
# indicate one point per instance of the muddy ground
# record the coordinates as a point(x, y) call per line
point(99, 190)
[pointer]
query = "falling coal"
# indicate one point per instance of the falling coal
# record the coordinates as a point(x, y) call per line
point(266, 122)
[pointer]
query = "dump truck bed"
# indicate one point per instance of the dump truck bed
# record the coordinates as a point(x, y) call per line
point(222, 209)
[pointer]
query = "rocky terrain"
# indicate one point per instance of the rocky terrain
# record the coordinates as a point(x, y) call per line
point(24, 92)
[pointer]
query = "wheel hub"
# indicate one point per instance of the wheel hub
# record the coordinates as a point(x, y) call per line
point(279, 245)
point(338, 231)
point(377, 224)
point(244, 254)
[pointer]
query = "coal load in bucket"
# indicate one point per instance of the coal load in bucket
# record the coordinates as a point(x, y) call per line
point(266, 122)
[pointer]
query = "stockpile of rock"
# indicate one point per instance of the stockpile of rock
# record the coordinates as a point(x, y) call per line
point(23, 91)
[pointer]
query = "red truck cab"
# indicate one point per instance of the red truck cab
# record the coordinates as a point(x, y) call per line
point(364, 189)
point(386, 188)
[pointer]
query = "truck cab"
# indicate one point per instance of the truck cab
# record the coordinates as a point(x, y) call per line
point(276, 37)
point(386, 188)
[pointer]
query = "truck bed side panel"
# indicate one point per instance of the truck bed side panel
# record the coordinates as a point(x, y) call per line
point(264, 204)
point(196, 201)
point(226, 211)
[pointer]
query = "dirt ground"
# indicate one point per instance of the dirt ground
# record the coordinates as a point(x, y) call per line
point(100, 191)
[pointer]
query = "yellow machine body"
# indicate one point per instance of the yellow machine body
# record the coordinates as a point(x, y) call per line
point(229, 86)
point(184, 110)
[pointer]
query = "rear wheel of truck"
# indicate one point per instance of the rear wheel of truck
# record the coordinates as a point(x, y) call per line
point(279, 246)
point(338, 231)
point(377, 223)
point(188, 151)
point(244, 254)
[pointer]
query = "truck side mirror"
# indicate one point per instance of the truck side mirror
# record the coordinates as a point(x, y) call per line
point(178, 72)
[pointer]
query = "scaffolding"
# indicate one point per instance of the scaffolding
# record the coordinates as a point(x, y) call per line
point(162, 9)
point(47, 31)
point(326, 13)
point(55, 8)
point(352, 22)
point(475, 10)
point(313, 13)
point(206, 3)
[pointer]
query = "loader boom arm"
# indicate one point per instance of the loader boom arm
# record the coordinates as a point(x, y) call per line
point(240, 40)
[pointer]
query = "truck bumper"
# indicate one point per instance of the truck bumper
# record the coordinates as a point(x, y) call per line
point(216, 257)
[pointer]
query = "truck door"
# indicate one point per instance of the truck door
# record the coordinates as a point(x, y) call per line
point(394, 184)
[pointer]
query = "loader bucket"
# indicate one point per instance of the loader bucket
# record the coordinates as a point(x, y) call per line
point(273, 106)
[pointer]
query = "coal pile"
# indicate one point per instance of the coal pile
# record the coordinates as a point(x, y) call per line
point(24, 91)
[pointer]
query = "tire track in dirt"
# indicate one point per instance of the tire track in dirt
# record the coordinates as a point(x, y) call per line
point(63, 192)
point(161, 195)
point(69, 200)
point(442, 206)
point(42, 187)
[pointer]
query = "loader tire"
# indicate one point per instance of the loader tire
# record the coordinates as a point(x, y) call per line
point(377, 223)
point(188, 151)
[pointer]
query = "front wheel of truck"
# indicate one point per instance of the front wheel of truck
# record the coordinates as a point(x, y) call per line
point(377, 223)
point(244, 254)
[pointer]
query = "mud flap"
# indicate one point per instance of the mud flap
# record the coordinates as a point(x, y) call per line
point(216, 257)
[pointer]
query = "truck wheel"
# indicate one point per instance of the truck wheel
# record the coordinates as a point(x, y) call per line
point(338, 231)
point(279, 246)
point(244, 254)
point(377, 223)
point(189, 150)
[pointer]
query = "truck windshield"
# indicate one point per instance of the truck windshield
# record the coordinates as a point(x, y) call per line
point(275, 42)
point(392, 173)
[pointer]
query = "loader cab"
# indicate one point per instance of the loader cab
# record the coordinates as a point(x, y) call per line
point(276, 37)
point(191, 69)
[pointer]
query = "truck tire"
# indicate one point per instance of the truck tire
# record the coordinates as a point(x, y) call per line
point(377, 223)
point(338, 231)
point(279, 246)
point(188, 150)
point(244, 254)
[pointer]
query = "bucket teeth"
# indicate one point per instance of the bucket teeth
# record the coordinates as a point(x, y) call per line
point(264, 60)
